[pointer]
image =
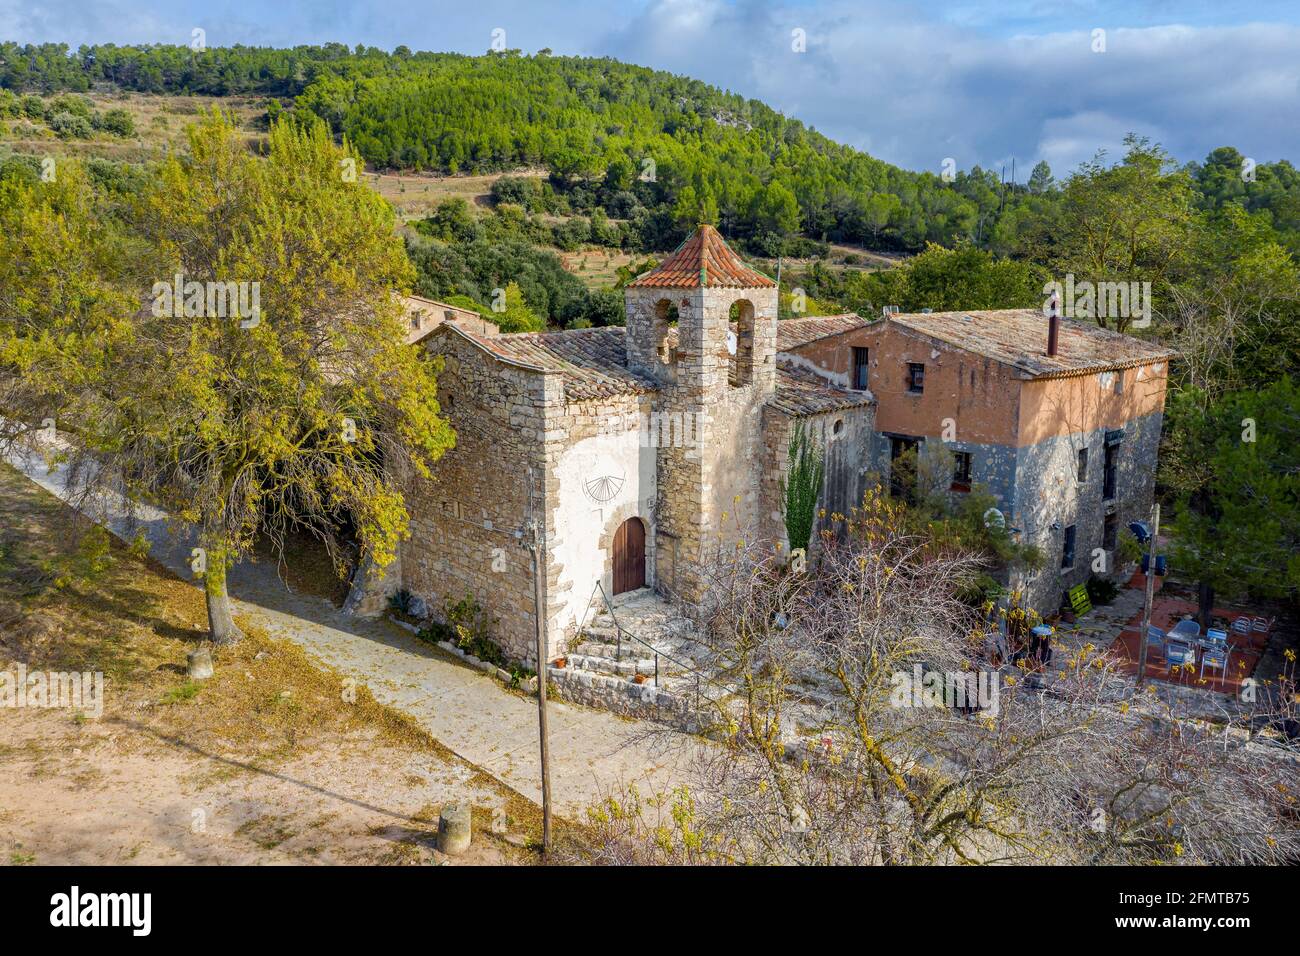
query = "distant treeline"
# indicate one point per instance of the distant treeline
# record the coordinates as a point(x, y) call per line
point(657, 151)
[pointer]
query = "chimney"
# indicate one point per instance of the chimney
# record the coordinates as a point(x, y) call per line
point(1054, 325)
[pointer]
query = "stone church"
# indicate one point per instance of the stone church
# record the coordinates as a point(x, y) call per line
point(638, 451)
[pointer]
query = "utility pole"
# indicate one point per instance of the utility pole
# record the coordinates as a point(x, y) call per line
point(533, 542)
point(1151, 590)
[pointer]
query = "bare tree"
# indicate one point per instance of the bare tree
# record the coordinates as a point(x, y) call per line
point(867, 725)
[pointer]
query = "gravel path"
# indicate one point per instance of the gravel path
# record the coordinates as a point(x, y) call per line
point(592, 751)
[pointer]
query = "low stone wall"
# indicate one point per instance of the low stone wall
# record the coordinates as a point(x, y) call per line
point(620, 696)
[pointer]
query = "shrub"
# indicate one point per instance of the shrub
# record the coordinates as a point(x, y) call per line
point(467, 625)
point(400, 601)
point(118, 122)
point(70, 126)
point(1101, 590)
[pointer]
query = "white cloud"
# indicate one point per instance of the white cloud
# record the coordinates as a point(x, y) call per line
point(911, 84)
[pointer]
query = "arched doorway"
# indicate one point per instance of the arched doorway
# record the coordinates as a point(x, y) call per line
point(629, 556)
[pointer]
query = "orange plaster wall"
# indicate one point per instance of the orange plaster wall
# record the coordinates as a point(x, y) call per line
point(980, 395)
point(1061, 406)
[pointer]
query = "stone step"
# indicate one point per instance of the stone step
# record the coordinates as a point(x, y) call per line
point(629, 652)
point(606, 665)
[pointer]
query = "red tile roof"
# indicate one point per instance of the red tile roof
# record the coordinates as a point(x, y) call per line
point(703, 261)
point(792, 333)
point(1018, 337)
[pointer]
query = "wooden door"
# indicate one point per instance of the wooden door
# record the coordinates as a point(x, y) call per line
point(629, 556)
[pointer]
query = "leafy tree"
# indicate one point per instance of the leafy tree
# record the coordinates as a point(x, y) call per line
point(303, 413)
point(515, 315)
point(1237, 516)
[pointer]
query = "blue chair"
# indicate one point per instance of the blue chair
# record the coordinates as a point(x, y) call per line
point(1155, 639)
point(1217, 657)
point(1242, 626)
point(1178, 653)
point(1216, 638)
point(1187, 631)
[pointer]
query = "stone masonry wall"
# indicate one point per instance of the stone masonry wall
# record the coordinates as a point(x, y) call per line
point(720, 473)
point(466, 523)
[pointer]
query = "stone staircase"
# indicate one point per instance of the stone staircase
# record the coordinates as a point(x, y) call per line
point(639, 658)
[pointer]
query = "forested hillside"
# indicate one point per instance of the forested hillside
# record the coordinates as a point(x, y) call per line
point(660, 151)
point(602, 158)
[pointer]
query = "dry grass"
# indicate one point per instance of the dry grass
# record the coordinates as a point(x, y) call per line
point(268, 704)
point(416, 195)
point(160, 123)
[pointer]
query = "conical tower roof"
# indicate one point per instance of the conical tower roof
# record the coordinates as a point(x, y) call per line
point(703, 261)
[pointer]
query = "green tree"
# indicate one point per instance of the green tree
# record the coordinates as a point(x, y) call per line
point(1236, 523)
point(515, 315)
point(300, 413)
point(803, 486)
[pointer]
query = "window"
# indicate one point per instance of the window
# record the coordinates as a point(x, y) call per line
point(915, 378)
point(859, 368)
point(1083, 465)
point(1119, 382)
point(1110, 532)
point(961, 471)
point(1067, 552)
point(903, 452)
point(1108, 477)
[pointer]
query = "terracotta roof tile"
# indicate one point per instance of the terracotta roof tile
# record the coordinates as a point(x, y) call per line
point(592, 362)
point(792, 333)
point(800, 392)
point(703, 261)
point(1018, 337)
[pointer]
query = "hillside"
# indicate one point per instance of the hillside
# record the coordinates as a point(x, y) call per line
point(660, 151)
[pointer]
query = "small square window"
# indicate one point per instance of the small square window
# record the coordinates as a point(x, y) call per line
point(1067, 551)
point(961, 471)
point(915, 377)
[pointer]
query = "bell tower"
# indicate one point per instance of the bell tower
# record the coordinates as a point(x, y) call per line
point(703, 325)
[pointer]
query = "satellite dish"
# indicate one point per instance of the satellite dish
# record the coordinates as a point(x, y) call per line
point(994, 519)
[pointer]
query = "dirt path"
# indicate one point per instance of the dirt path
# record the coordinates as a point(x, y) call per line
point(592, 752)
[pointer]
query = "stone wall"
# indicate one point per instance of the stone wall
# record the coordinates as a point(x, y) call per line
point(467, 522)
point(846, 436)
point(603, 458)
point(1050, 498)
point(721, 378)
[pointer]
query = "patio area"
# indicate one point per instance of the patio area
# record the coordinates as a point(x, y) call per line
point(1244, 650)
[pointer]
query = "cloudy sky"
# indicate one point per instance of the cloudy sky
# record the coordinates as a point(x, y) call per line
point(914, 84)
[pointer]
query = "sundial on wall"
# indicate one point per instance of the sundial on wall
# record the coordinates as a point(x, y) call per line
point(604, 486)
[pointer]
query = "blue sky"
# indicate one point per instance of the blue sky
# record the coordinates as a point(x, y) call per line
point(913, 84)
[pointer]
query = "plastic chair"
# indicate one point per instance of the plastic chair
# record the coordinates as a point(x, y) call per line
point(1188, 630)
point(1177, 653)
point(1242, 625)
point(1216, 638)
point(1217, 658)
point(1262, 625)
point(1155, 639)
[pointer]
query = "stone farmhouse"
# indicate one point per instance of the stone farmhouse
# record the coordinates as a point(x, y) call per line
point(638, 451)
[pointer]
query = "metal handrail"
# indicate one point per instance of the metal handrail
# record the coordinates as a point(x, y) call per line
point(620, 630)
